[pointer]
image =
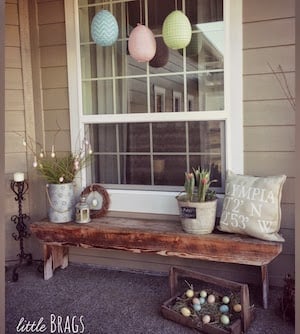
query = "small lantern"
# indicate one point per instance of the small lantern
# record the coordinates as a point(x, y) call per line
point(141, 43)
point(177, 30)
point(82, 211)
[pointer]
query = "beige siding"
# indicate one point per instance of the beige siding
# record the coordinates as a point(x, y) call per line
point(52, 40)
point(2, 163)
point(15, 158)
point(269, 119)
point(258, 10)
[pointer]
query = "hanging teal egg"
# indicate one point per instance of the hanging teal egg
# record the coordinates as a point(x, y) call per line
point(104, 28)
point(177, 30)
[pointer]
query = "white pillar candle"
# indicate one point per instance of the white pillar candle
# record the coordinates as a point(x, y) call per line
point(18, 177)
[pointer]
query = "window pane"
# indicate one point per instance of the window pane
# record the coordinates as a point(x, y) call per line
point(137, 95)
point(206, 91)
point(136, 170)
point(134, 137)
point(97, 97)
point(165, 90)
point(204, 137)
point(152, 154)
point(169, 170)
point(169, 137)
point(90, 67)
point(105, 169)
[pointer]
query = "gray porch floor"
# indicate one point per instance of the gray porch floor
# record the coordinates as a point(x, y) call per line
point(109, 302)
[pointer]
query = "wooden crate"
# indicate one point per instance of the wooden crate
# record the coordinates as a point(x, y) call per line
point(239, 325)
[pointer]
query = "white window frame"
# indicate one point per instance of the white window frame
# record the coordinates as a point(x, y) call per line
point(161, 202)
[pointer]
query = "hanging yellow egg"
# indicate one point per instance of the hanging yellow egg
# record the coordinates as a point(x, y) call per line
point(141, 43)
point(177, 30)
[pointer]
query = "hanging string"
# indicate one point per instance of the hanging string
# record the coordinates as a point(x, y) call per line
point(141, 13)
point(176, 5)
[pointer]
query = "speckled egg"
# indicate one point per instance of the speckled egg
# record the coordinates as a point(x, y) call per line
point(202, 300)
point(203, 294)
point(189, 293)
point(206, 319)
point(196, 301)
point(225, 319)
point(226, 300)
point(185, 311)
point(197, 307)
point(237, 308)
point(211, 299)
point(224, 308)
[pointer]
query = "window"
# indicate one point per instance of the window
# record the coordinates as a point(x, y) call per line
point(150, 124)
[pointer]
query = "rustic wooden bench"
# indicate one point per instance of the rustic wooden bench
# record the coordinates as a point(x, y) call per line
point(153, 236)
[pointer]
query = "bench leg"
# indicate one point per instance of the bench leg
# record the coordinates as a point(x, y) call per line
point(54, 257)
point(265, 285)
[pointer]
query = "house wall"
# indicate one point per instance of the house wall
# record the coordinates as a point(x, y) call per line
point(2, 160)
point(269, 120)
point(15, 156)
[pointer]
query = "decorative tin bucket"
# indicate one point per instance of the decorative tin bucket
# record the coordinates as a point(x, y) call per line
point(61, 199)
point(197, 217)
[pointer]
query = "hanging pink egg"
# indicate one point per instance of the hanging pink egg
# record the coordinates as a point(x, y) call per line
point(141, 43)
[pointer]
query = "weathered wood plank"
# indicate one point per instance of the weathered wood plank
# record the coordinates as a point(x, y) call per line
point(54, 257)
point(160, 237)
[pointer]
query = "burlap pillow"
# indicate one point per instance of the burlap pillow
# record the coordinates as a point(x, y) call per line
point(252, 206)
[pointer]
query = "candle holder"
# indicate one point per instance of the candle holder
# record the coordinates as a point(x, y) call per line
point(20, 188)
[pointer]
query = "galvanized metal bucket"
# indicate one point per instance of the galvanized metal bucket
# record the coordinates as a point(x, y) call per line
point(61, 198)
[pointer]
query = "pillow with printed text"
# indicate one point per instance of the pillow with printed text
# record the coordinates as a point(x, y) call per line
point(252, 206)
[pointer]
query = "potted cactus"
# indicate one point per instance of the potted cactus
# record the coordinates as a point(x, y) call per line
point(198, 205)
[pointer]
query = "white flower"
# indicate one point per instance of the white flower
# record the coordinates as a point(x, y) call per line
point(35, 162)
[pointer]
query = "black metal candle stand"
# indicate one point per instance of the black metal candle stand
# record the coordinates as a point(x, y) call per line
point(20, 188)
